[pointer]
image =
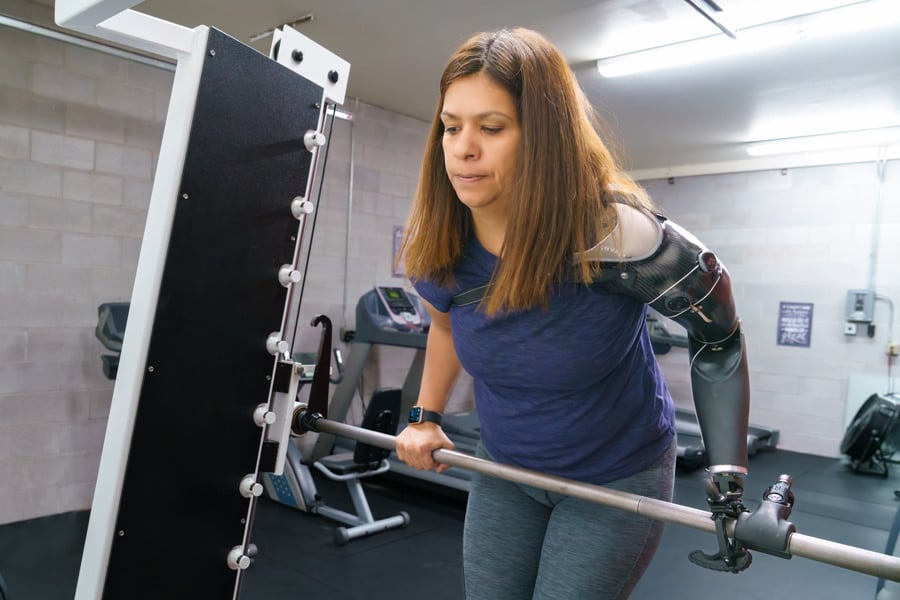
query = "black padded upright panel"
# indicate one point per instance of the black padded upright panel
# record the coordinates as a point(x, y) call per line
point(194, 438)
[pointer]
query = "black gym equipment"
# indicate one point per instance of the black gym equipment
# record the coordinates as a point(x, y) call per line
point(183, 453)
point(873, 435)
point(389, 316)
point(112, 317)
point(380, 320)
point(296, 487)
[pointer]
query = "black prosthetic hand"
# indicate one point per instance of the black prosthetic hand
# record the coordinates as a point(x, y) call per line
point(724, 495)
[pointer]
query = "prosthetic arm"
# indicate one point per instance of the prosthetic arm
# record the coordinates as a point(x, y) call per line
point(661, 264)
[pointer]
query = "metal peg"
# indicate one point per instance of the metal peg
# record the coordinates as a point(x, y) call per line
point(287, 275)
point(250, 487)
point(237, 560)
point(275, 345)
point(262, 416)
point(300, 207)
point(313, 140)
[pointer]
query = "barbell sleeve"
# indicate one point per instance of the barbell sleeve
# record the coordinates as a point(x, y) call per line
point(840, 555)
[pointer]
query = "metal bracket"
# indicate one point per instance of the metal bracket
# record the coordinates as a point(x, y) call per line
point(767, 528)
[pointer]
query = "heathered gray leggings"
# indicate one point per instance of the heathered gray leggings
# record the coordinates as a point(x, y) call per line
point(522, 543)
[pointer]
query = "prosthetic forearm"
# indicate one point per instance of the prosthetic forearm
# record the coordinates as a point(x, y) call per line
point(700, 299)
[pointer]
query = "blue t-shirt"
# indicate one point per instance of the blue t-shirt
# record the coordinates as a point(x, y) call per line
point(574, 390)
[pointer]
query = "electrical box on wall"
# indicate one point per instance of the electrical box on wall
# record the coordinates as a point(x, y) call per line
point(860, 306)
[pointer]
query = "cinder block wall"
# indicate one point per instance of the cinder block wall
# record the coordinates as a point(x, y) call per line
point(79, 133)
point(799, 235)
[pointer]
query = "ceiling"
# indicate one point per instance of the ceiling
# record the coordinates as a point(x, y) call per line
point(685, 120)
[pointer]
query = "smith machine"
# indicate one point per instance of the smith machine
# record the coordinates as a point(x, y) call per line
point(205, 397)
point(205, 383)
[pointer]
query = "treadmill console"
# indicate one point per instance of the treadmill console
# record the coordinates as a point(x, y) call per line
point(390, 315)
point(399, 307)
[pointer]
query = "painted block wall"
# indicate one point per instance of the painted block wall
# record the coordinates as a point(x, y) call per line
point(799, 235)
point(79, 135)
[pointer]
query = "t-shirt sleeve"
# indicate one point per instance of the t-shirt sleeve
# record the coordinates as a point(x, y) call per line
point(435, 295)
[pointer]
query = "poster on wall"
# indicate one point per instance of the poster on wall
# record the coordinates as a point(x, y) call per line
point(795, 323)
point(397, 266)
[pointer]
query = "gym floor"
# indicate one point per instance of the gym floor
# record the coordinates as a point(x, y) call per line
point(298, 558)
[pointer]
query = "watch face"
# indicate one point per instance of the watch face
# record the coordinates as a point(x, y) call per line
point(415, 414)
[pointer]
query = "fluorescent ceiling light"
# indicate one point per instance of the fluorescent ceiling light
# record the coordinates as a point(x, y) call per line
point(842, 20)
point(681, 54)
point(867, 138)
point(858, 113)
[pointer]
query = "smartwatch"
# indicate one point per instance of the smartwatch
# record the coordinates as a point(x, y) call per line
point(417, 415)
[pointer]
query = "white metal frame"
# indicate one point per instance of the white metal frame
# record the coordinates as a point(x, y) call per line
point(114, 20)
point(148, 278)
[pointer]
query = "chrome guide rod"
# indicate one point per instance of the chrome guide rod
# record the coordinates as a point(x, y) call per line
point(825, 551)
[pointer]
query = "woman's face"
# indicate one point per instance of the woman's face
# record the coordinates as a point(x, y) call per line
point(481, 142)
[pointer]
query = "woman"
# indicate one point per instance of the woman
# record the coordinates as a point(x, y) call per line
point(518, 207)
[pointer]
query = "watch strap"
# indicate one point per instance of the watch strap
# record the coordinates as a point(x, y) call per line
point(420, 415)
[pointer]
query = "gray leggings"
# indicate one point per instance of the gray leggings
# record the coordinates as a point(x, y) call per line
point(522, 543)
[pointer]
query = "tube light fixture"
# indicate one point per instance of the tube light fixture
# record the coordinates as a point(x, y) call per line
point(863, 138)
point(681, 54)
point(842, 20)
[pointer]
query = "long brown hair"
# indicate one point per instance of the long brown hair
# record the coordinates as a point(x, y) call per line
point(564, 179)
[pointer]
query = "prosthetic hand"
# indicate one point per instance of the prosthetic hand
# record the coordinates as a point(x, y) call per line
point(725, 497)
point(725, 493)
